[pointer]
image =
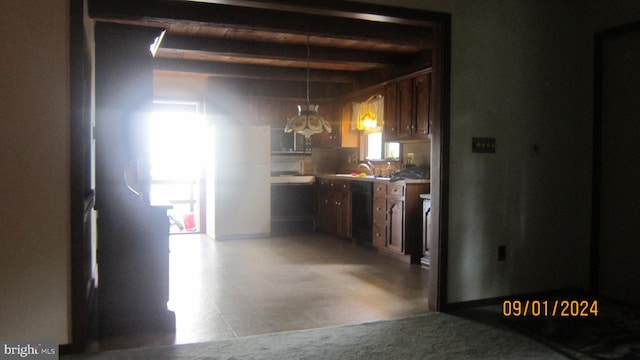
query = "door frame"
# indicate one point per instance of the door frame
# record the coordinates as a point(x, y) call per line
point(81, 195)
point(600, 39)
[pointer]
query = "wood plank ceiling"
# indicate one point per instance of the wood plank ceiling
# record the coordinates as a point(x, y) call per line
point(346, 45)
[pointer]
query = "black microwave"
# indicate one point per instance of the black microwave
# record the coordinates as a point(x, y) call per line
point(289, 143)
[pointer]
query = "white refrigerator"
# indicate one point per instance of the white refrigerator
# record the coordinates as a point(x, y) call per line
point(239, 174)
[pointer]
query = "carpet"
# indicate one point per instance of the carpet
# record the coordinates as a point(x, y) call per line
point(428, 336)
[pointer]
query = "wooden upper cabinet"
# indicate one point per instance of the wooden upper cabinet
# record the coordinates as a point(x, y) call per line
point(422, 91)
point(407, 108)
point(390, 111)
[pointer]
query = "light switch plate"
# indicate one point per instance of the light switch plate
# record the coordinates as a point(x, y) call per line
point(483, 145)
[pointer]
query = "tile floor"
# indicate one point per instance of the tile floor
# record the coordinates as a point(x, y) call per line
point(235, 288)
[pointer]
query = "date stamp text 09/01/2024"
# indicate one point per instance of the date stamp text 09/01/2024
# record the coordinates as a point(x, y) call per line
point(550, 308)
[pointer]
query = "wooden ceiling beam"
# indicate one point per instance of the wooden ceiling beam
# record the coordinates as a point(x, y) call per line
point(285, 52)
point(260, 19)
point(344, 9)
point(244, 71)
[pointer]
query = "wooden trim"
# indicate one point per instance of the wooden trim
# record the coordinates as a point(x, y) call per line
point(440, 115)
point(599, 40)
point(80, 201)
point(440, 143)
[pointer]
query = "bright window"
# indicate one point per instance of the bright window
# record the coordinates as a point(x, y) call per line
point(373, 144)
point(375, 149)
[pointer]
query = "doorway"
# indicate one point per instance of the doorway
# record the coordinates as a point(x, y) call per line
point(176, 150)
point(616, 201)
point(439, 174)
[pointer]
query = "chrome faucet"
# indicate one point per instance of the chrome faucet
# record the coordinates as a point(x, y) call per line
point(368, 165)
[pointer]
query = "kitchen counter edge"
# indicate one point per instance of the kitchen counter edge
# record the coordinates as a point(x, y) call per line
point(352, 178)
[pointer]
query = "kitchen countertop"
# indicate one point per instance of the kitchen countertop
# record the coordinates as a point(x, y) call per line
point(310, 179)
point(293, 179)
point(371, 178)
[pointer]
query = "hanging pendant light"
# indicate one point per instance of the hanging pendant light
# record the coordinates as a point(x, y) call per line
point(369, 114)
point(307, 122)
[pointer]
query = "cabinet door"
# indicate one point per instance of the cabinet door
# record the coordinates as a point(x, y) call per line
point(342, 215)
point(324, 206)
point(395, 213)
point(422, 86)
point(343, 220)
point(390, 111)
point(405, 111)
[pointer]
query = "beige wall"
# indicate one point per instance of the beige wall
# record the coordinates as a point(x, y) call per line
point(34, 171)
point(179, 87)
point(518, 75)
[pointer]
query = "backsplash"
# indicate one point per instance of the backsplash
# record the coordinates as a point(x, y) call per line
point(287, 164)
point(345, 160)
point(421, 153)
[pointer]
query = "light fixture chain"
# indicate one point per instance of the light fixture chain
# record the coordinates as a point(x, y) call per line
point(308, 67)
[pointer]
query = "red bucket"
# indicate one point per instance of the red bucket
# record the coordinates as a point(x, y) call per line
point(189, 221)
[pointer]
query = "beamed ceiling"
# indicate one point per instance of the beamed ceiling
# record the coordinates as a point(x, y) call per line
point(346, 45)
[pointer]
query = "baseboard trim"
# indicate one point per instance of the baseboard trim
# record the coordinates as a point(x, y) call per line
point(573, 292)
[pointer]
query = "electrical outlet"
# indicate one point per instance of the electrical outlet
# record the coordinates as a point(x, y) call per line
point(502, 253)
point(483, 145)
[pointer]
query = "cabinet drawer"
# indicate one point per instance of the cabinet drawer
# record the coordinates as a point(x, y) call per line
point(379, 189)
point(380, 209)
point(395, 189)
point(379, 234)
point(341, 185)
point(324, 183)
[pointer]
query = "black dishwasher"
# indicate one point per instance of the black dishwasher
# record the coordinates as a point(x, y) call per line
point(362, 211)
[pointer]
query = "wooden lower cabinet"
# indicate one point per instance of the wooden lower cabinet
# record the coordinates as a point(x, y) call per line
point(397, 215)
point(334, 207)
point(397, 219)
